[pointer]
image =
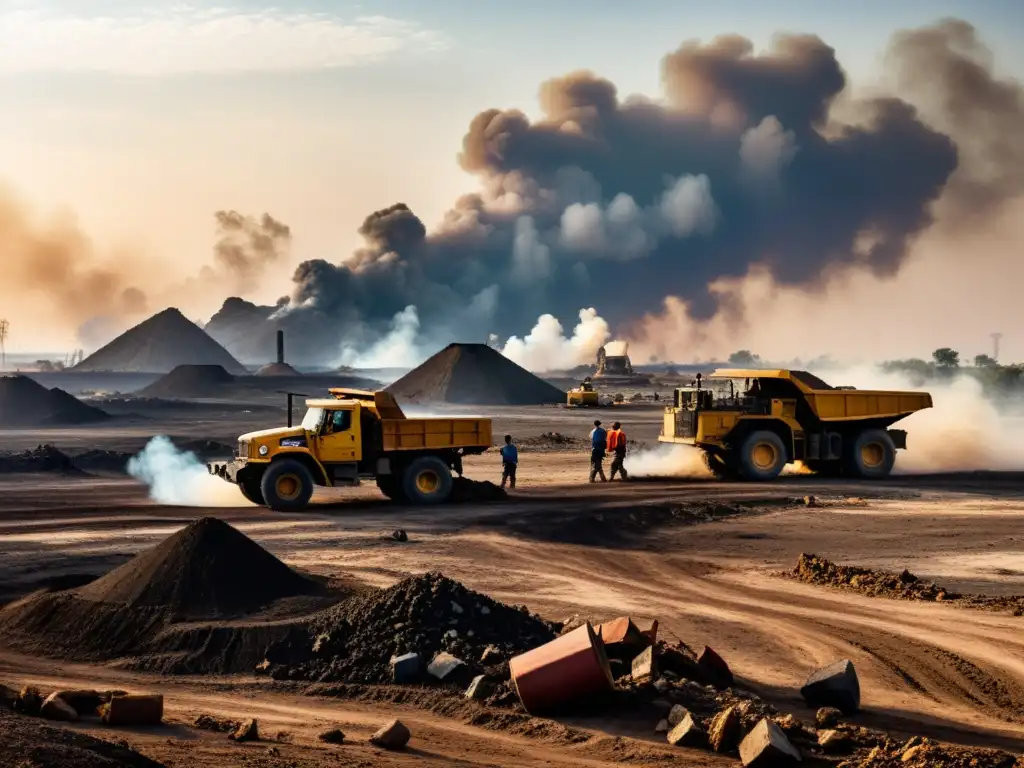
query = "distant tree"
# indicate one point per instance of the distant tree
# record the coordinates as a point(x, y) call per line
point(946, 359)
point(744, 358)
point(984, 361)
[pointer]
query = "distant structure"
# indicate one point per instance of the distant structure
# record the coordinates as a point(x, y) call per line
point(996, 338)
point(279, 368)
point(614, 365)
point(4, 329)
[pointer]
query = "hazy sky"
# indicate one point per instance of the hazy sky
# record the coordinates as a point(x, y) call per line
point(142, 119)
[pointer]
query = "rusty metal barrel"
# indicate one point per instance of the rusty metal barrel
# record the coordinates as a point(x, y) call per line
point(569, 668)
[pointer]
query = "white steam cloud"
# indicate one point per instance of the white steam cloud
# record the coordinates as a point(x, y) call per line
point(547, 348)
point(399, 348)
point(179, 479)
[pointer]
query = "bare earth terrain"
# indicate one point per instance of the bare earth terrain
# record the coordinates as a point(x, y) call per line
point(563, 547)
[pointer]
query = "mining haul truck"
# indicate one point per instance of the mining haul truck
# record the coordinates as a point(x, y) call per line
point(354, 435)
point(751, 423)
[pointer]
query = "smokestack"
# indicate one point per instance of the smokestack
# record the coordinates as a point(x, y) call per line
point(280, 347)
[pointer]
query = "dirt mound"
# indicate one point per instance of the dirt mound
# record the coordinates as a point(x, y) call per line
point(208, 569)
point(899, 586)
point(924, 753)
point(43, 458)
point(277, 369)
point(355, 640)
point(474, 374)
point(552, 441)
point(159, 345)
point(464, 489)
point(190, 381)
point(30, 742)
point(25, 402)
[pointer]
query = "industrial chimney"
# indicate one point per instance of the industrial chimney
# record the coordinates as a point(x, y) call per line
point(280, 347)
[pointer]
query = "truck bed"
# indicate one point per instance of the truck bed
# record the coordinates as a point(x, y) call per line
point(843, 405)
point(419, 434)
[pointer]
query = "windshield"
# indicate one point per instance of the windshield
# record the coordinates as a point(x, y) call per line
point(311, 421)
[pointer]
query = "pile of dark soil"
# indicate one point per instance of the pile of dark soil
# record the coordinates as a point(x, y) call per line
point(25, 402)
point(207, 571)
point(464, 489)
point(43, 458)
point(555, 441)
point(159, 345)
point(899, 586)
point(355, 640)
point(190, 381)
point(281, 370)
point(99, 460)
point(27, 742)
point(473, 374)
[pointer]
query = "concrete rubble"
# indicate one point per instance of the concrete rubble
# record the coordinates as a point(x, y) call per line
point(767, 747)
point(392, 736)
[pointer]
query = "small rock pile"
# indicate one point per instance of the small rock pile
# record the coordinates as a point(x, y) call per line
point(899, 586)
point(924, 753)
point(43, 458)
point(453, 633)
point(551, 441)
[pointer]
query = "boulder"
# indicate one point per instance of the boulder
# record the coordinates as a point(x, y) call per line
point(688, 733)
point(725, 731)
point(767, 747)
point(677, 714)
point(29, 701)
point(712, 670)
point(55, 708)
point(332, 736)
point(834, 686)
point(133, 710)
point(249, 730)
point(448, 669)
point(827, 717)
point(406, 669)
point(84, 702)
point(394, 735)
point(645, 667)
point(480, 689)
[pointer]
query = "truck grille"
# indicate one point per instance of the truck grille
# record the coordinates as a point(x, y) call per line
point(243, 449)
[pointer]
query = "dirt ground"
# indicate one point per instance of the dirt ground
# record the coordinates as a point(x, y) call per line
point(565, 547)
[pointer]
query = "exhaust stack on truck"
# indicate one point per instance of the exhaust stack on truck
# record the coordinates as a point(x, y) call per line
point(353, 436)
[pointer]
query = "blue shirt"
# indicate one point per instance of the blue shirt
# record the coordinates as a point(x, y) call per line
point(598, 438)
point(510, 454)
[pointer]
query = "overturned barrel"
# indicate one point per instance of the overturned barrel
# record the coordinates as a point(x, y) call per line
point(567, 670)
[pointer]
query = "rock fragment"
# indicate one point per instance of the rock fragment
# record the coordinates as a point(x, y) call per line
point(662, 726)
point(332, 736)
point(767, 747)
point(833, 742)
point(406, 668)
point(480, 688)
point(725, 731)
point(712, 670)
point(827, 717)
point(645, 668)
point(834, 686)
point(392, 736)
point(688, 733)
point(55, 708)
point(29, 701)
point(491, 655)
point(448, 668)
point(249, 730)
point(677, 714)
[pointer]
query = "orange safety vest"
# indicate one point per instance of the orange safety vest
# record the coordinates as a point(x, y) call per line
point(616, 438)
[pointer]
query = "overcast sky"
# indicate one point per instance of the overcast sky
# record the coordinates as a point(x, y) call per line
point(143, 118)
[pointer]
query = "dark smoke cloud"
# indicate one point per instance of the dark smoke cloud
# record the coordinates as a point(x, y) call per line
point(617, 202)
point(246, 246)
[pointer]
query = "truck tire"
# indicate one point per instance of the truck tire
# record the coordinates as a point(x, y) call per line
point(762, 456)
point(252, 491)
point(287, 485)
point(427, 480)
point(718, 466)
point(871, 456)
point(391, 486)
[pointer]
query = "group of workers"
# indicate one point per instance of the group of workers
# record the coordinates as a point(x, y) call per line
point(602, 442)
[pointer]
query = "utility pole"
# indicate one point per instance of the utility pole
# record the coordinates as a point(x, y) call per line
point(995, 345)
point(4, 329)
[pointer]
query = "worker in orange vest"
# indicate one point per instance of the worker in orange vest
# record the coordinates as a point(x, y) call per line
point(617, 445)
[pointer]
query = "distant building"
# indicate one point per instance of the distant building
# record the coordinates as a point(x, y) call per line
point(613, 363)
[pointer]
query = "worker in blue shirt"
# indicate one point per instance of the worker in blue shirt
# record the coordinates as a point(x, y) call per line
point(598, 445)
point(509, 462)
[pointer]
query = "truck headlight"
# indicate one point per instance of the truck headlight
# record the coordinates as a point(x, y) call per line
point(264, 450)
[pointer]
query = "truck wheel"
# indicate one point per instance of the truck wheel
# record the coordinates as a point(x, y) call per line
point(427, 480)
point(252, 491)
point(391, 486)
point(718, 466)
point(871, 455)
point(287, 486)
point(762, 456)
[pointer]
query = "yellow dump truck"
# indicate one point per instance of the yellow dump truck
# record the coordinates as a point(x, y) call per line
point(751, 423)
point(352, 436)
point(583, 396)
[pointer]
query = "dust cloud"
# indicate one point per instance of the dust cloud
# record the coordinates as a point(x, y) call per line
point(667, 461)
point(179, 479)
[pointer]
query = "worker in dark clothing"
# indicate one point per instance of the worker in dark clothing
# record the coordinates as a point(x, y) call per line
point(509, 462)
point(617, 445)
point(598, 444)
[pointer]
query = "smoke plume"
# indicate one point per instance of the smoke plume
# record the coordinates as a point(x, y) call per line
point(246, 246)
point(546, 347)
point(745, 166)
point(178, 478)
